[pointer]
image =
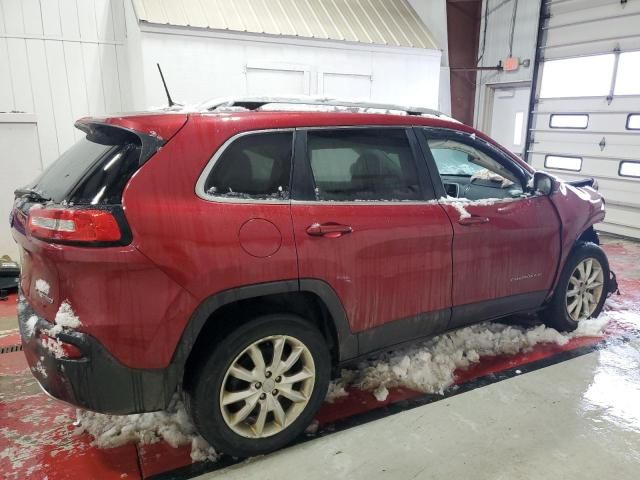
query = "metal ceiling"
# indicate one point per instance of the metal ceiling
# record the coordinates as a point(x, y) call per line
point(379, 22)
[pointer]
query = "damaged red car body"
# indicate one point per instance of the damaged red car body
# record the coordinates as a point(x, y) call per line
point(239, 256)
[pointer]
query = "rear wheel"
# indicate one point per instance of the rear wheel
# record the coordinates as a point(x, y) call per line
point(261, 386)
point(581, 290)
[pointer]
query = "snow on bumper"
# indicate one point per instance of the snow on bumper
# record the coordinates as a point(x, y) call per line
point(96, 381)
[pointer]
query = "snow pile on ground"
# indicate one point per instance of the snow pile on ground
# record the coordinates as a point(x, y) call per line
point(172, 425)
point(65, 318)
point(429, 366)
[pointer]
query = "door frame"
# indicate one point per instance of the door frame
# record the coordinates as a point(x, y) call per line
point(490, 92)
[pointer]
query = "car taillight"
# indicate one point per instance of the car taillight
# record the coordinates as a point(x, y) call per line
point(73, 225)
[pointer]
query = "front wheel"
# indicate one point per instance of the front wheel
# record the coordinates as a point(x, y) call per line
point(261, 385)
point(581, 290)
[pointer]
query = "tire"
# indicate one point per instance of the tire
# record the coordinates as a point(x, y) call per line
point(562, 313)
point(214, 389)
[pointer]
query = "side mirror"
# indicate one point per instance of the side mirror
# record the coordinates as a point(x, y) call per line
point(544, 183)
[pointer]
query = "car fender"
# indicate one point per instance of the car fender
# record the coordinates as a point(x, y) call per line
point(579, 208)
point(347, 341)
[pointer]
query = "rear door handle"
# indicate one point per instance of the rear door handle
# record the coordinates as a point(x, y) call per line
point(329, 230)
point(473, 220)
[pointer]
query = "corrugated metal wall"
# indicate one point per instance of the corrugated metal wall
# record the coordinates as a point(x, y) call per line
point(382, 22)
point(61, 60)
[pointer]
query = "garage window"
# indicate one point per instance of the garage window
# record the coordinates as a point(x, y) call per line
point(578, 77)
point(561, 162)
point(629, 169)
point(580, 121)
point(633, 121)
point(628, 76)
point(255, 166)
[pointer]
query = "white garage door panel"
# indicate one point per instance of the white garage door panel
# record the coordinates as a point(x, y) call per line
point(561, 7)
point(593, 27)
point(597, 124)
point(620, 218)
point(583, 28)
point(598, 47)
point(588, 104)
point(583, 149)
point(584, 32)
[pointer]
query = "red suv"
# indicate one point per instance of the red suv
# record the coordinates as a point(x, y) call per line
point(240, 254)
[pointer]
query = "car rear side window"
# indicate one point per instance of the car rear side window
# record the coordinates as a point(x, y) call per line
point(363, 164)
point(255, 166)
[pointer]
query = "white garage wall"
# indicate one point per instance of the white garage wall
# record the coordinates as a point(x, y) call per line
point(199, 65)
point(59, 60)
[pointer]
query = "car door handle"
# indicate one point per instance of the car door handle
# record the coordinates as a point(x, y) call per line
point(329, 230)
point(473, 220)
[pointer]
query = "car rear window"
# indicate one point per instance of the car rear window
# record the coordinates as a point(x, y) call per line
point(93, 171)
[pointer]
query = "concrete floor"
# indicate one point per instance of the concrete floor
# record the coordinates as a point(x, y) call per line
point(576, 419)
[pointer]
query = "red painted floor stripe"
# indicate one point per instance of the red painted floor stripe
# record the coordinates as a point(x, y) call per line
point(161, 457)
point(9, 338)
point(38, 442)
point(13, 363)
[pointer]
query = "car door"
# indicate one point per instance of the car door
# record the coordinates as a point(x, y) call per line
point(506, 244)
point(366, 223)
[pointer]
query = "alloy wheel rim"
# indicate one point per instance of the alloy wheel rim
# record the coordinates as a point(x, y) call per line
point(267, 386)
point(584, 289)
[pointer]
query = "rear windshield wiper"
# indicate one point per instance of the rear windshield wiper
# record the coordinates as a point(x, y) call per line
point(30, 194)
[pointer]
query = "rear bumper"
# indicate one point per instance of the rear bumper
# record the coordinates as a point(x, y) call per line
point(97, 381)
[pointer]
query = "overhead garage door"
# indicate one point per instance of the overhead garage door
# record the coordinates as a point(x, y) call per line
point(586, 118)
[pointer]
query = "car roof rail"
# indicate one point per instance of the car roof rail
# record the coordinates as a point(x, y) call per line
point(255, 103)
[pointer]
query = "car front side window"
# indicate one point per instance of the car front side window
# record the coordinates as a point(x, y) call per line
point(470, 173)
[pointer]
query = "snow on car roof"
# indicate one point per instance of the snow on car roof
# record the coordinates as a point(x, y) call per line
point(303, 103)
